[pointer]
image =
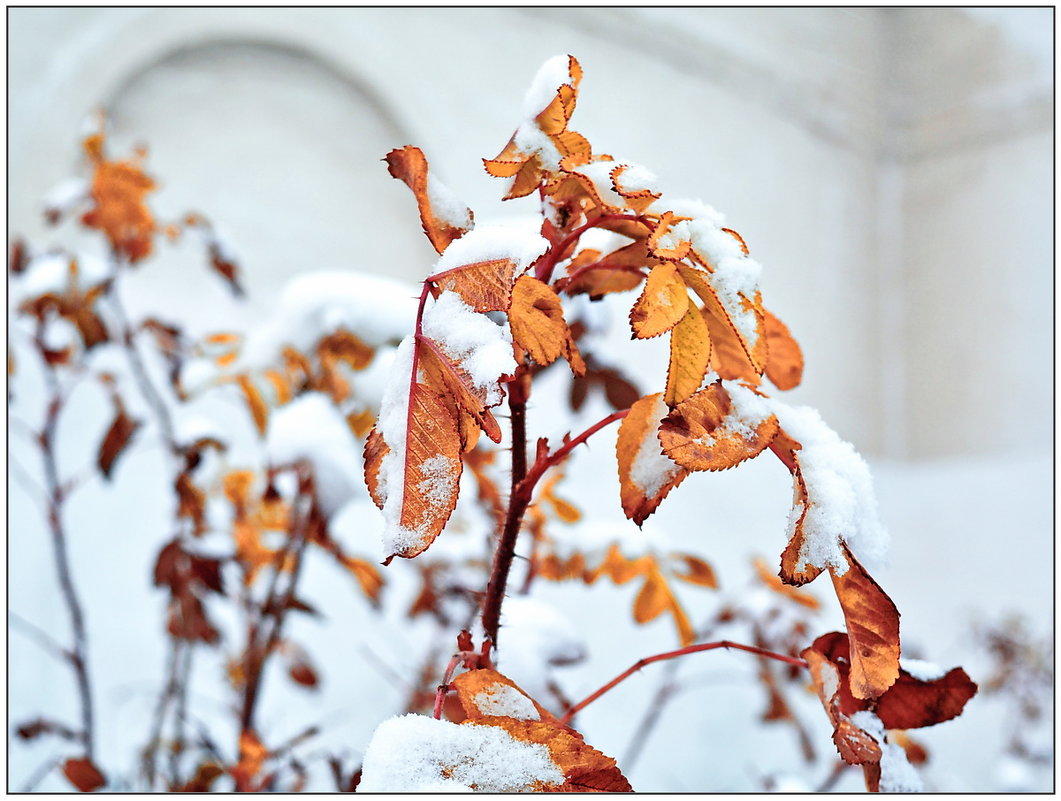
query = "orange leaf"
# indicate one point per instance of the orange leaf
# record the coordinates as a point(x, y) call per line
point(483, 285)
point(732, 357)
point(699, 572)
point(443, 217)
point(375, 450)
point(872, 627)
point(646, 475)
point(453, 380)
point(366, 574)
point(708, 431)
point(778, 586)
point(490, 699)
point(537, 321)
point(665, 243)
point(119, 210)
point(690, 355)
point(662, 304)
point(258, 408)
point(565, 510)
point(784, 359)
point(115, 441)
point(85, 776)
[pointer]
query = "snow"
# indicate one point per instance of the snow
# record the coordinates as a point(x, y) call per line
point(50, 272)
point(632, 177)
point(734, 275)
point(311, 428)
point(506, 701)
point(652, 468)
point(519, 243)
point(65, 195)
point(393, 425)
point(415, 753)
point(553, 74)
point(922, 670)
point(377, 310)
point(446, 206)
point(480, 346)
point(843, 505)
point(897, 775)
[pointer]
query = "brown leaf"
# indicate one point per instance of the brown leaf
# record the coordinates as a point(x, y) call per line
point(646, 475)
point(872, 627)
point(226, 268)
point(85, 776)
point(537, 321)
point(456, 386)
point(115, 441)
point(662, 303)
point(913, 704)
point(784, 359)
point(690, 355)
point(483, 285)
point(732, 357)
point(375, 450)
point(302, 672)
point(706, 431)
point(442, 225)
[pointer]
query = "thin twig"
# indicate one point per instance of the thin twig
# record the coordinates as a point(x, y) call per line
point(39, 636)
point(691, 649)
point(54, 487)
point(40, 774)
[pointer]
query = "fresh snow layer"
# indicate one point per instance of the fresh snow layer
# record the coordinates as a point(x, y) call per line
point(518, 243)
point(50, 272)
point(479, 345)
point(551, 75)
point(446, 206)
point(505, 701)
point(311, 428)
point(392, 425)
point(415, 753)
point(921, 670)
point(376, 310)
point(652, 468)
point(897, 775)
point(843, 505)
point(734, 276)
point(632, 177)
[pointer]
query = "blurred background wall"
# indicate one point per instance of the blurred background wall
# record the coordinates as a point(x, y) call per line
point(890, 168)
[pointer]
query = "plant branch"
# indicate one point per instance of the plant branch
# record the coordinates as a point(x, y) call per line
point(691, 649)
point(543, 271)
point(78, 654)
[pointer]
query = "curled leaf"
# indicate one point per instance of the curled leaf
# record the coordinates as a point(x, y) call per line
point(443, 217)
point(646, 474)
point(538, 325)
point(715, 429)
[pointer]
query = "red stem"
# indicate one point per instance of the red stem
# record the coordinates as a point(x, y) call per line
point(543, 463)
point(691, 649)
point(544, 270)
point(443, 688)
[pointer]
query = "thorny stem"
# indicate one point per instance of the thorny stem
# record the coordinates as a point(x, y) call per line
point(691, 649)
point(520, 499)
point(443, 688)
point(78, 655)
point(165, 698)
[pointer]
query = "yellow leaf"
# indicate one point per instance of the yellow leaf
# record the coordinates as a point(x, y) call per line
point(258, 408)
point(690, 355)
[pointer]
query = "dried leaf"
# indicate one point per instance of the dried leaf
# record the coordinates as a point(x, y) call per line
point(456, 385)
point(784, 359)
point(85, 776)
point(537, 321)
point(585, 769)
point(662, 303)
point(698, 571)
point(690, 355)
point(646, 475)
point(872, 627)
point(774, 583)
point(483, 285)
point(119, 210)
point(706, 431)
point(442, 221)
point(115, 441)
point(258, 408)
point(732, 357)
point(664, 243)
point(375, 449)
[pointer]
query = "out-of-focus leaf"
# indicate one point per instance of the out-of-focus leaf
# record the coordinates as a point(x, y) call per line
point(83, 774)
